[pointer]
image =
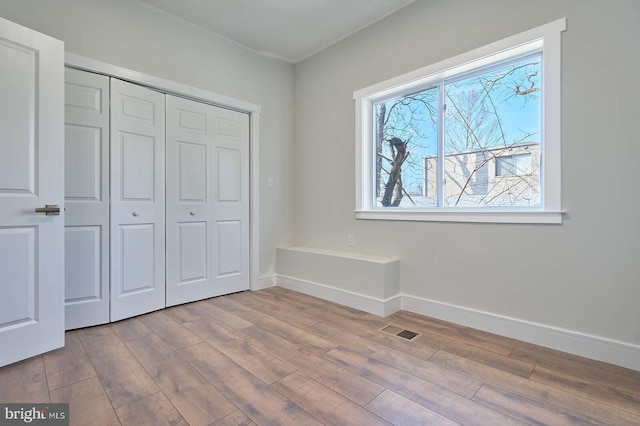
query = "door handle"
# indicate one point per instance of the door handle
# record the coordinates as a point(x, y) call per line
point(49, 209)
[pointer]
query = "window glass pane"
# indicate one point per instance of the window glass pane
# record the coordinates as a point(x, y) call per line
point(492, 129)
point(515, 165)
point(406, 141)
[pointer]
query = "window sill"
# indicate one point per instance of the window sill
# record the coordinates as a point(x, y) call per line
point(469, 216)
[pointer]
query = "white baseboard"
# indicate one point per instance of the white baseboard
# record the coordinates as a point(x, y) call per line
point(263, 282)
point(593, 347)
point(354, 300)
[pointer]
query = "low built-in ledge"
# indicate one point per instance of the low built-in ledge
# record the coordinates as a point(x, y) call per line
point(362, 281)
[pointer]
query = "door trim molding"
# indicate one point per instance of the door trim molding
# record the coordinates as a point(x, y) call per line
point(161, 84)
point(185, 91)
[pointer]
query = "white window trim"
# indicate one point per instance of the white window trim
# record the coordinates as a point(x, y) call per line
point(547, 37)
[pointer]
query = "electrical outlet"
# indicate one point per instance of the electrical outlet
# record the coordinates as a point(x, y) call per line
point(351, 240)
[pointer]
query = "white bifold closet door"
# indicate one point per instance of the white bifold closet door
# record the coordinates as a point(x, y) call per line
point(86, 194)
point(207, 206)
point(137, 200)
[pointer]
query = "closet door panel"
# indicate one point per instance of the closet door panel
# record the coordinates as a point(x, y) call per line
point(83, 258)
point(231, 201)
point(137, 200)
point(192, 262)
point(189, 214)
point(86, 187)
point(137, 168)
point(137, 259)
point(229, 248)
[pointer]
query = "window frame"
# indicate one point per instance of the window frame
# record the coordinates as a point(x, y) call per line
point(545, 39)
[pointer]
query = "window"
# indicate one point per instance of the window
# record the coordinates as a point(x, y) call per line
point(473, 138)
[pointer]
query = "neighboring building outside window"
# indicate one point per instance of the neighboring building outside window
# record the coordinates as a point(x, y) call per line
point(514, 165)
point(504, 177)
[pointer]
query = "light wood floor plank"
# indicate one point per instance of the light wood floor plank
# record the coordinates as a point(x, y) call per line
point(498, 358)
point(337, 309)
point(24, 381)
point(532, 353)
point(363, 325)
point(69, 364)
point(226, 319)
point(130, 329)
point(627, 384)
point(185, 313)
point(173, 334)
point(430, 325)
point(88, 403)
point(280, 300)
point(587, 409)
point(524, 409)
point(294, 317)
point(290, 332)
point(433, 373)
point(350, 385)
point(345, 382)
point(447, 403)
point(324, 404)
point(399, 410)
point(260, 363)
point(300, 358)
point(587, 388)
point(153, 410)
point(455, 333)
point(261, 403)
point(237, 418)
point(197, 400)
point(121, 374)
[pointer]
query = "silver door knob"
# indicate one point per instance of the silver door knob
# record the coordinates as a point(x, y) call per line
point(192, 213)
point(135, 213)
point(49, 209)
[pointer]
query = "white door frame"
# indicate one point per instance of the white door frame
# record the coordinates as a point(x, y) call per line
point(185, 91)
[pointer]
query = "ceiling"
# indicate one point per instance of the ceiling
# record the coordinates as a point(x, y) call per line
point(287, 29)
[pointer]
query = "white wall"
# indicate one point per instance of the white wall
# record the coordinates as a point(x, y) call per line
point(583, 275)
point(132, 35)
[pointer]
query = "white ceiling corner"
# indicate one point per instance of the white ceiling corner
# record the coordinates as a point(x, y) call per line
point(290, 30)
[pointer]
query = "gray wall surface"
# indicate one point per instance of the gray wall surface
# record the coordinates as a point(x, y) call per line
point(583, 275)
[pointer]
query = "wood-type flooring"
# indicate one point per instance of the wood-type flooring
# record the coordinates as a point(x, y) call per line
point(278, 357)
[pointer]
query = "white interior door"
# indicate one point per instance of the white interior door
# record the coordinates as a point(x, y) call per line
point(189, 196)
point(31, 176)
point(137, 200)
point(207, 201)
point(230, 201)
point(86, 193)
